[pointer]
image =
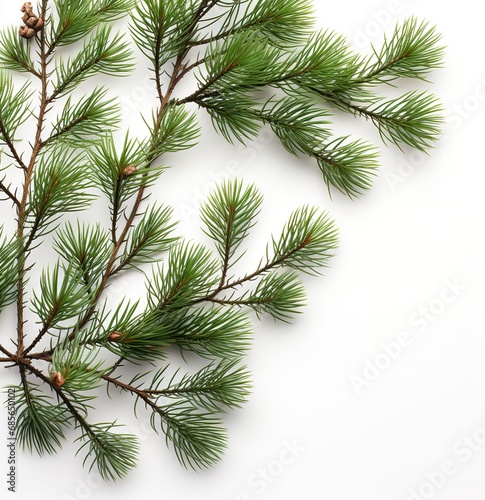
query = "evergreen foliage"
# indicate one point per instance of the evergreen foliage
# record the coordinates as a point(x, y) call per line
point(256, 63)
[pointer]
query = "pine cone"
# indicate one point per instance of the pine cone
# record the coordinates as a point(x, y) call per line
point(26, 32)
point(33, 23)
point(27, 8)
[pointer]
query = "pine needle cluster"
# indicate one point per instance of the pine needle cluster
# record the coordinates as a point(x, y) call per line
point(256, 64)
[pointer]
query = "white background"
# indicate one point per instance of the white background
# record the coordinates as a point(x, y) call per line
point(308, 430)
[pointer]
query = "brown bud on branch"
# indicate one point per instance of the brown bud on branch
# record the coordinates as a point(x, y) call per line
point(129, 170)
point(114, 336)
point(58, 379)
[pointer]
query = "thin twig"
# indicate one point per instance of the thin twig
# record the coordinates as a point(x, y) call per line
point(11, 146)
point(227, 248)
point(126, 387)
point(200, 91)
point(249, 277)
point(9, 193)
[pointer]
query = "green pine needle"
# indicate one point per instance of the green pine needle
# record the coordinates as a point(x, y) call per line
point(229, 214)
point(284, 22)
point(214, 388)
point(307, 241)
point(198, 438)
point(9, 267)
point(281, 295)
point(414, 119)
point(62, 296)
point(80, 124)
point(151, 237)
point(412, 52)
point(114, 455)
point(40, 421)
point(101, 54)
point(86, 248)
point(135, 337)
point(234, 116)
point(80, 368)
point(15, 52)
point(176, 130)
point(60, 185)
point(348, 166)
point(188, 273)
point(301, 126)
point(216, 332)
point(14, 107)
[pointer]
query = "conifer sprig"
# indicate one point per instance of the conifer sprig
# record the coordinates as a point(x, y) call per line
point(255, 64)
point(412, 52)
point(41, 423)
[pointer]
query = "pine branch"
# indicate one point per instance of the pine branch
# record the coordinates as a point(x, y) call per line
point(280, 295)
point(150, 237)
point(40, 423)
point(15, 53)
point(9, 142)
point(14, 111)
point(156, 146)
point(114, 454)
point(76, 20)
point(228, 216)
point(348, 166)
point(284, 22)
point(214, 387)
point(86, 248)
point(211, 333)
point(255, 64)
point(59, 185)
point(197, 437)
point(92, 117)
point(411, 52)
point(10, 356)
point(413, 119)
point(101, 54)
point(306, 244)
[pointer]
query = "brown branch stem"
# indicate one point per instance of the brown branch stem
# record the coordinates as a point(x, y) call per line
point(249, 277)
point(11, 146)
point(9, 193)
point(28, 174)
point(127, 387)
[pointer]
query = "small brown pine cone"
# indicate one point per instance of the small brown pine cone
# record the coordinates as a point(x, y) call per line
point(27, 8)
point(32, 21)
point(39, 25)
point(26, 32)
